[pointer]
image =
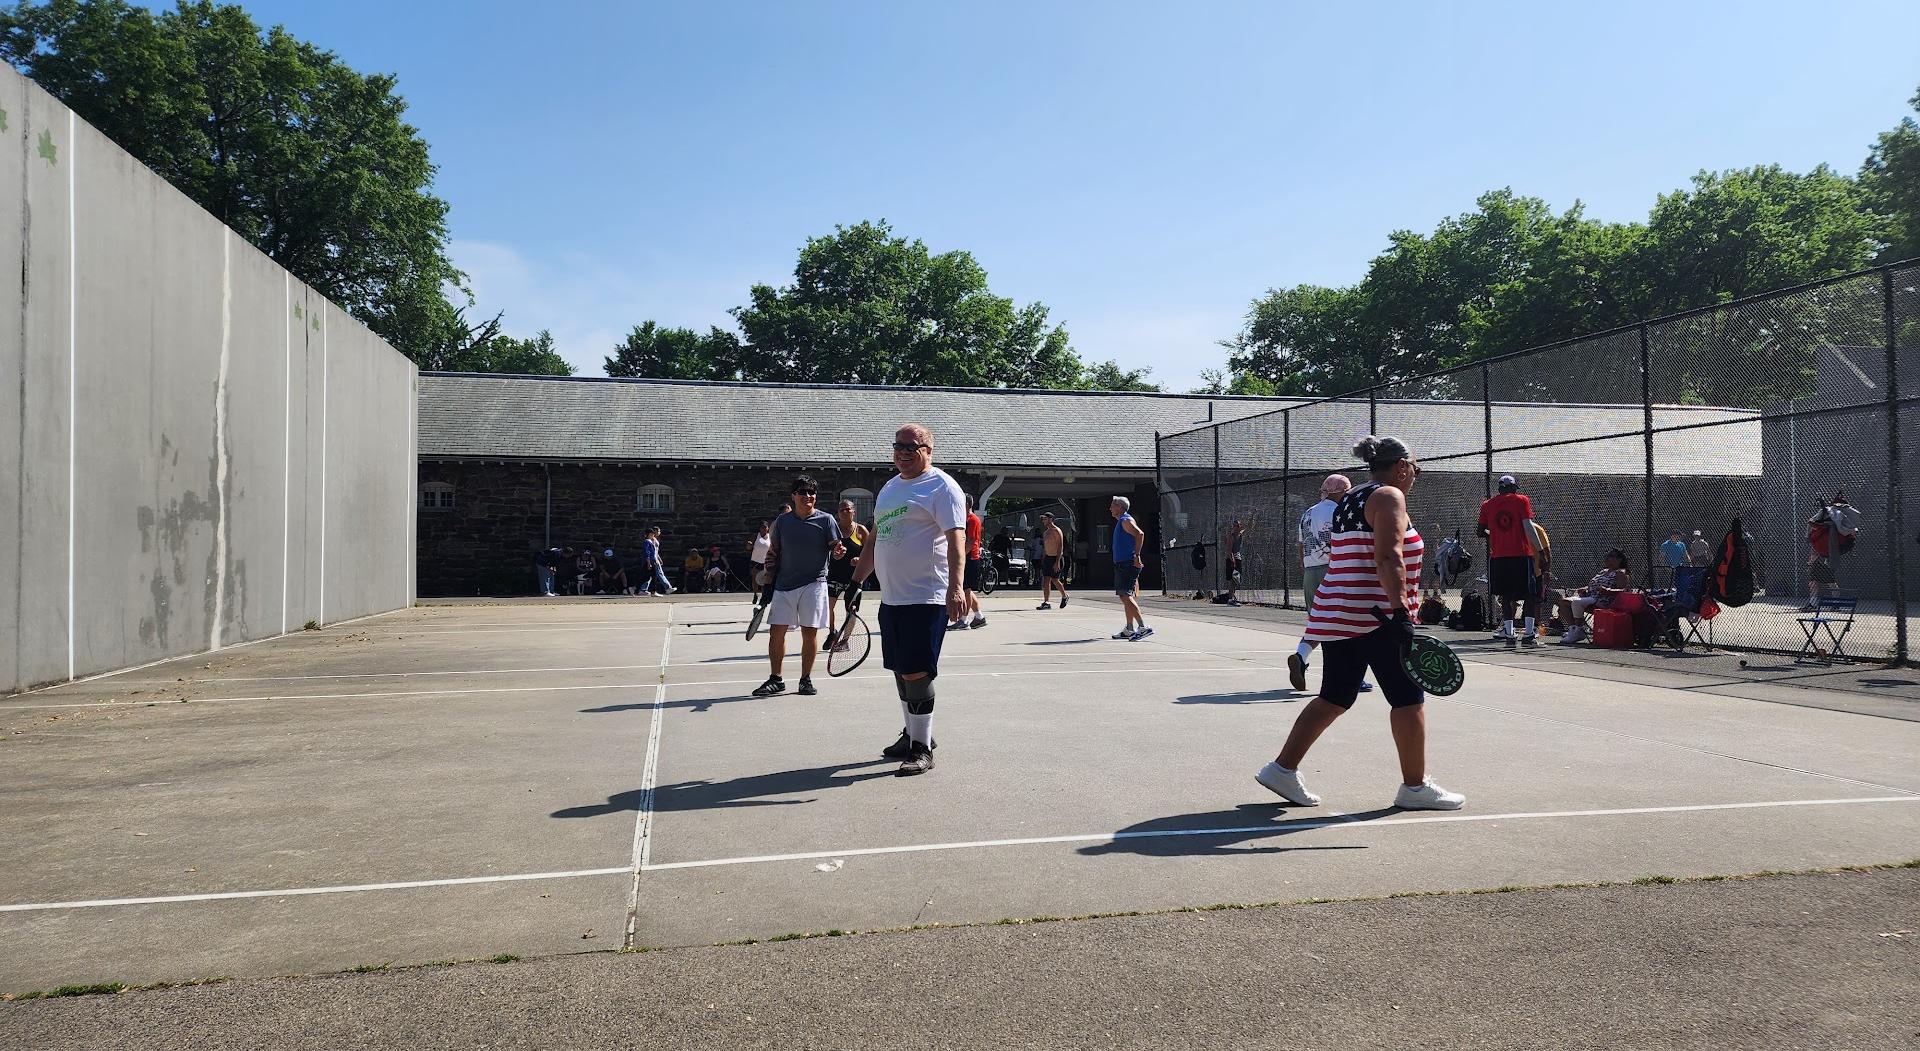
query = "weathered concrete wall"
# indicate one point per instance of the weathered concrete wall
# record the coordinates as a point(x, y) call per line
point(197, 450)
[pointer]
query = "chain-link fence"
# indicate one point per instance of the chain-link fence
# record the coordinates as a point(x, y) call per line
point(1768, 410)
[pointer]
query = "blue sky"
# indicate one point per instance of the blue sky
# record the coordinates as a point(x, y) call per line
point(1145, 170)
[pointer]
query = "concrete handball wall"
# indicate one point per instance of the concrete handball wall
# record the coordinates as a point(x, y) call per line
point(197, 449)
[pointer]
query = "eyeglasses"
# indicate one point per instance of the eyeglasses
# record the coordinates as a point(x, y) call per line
point(811, 494)
point(907, 447)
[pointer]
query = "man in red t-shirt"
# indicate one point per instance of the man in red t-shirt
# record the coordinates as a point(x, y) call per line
point(976, 619)
point(1506, 521)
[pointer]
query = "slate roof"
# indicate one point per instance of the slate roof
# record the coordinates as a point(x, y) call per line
point(469, 416)
point(473, 416)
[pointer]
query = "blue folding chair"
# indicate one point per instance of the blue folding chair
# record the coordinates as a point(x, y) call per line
point(1689, 594)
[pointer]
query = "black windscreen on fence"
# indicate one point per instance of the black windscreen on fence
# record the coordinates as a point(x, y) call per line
point(1653, 439)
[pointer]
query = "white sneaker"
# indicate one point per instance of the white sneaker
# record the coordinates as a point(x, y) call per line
point(1287, 785)
point(1427, 796)
point(1574, 636)
point(1504, 631)
point(1125, 634)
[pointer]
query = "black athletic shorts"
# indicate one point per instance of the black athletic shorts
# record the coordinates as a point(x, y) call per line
point(1050, 567)
point(971, 579)
point(1126, 578)
point(1511, 578)
point(1346, 664)
point(910, 638)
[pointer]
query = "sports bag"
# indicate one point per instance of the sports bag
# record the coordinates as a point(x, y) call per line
point(1731, 582)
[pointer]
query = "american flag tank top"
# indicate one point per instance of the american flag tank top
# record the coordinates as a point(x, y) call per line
point(1343, 606)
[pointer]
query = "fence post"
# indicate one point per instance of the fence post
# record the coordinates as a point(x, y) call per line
point(1159, 515)
point(1896, 508)
point(1646, 414)
point(1216, 507)
point(1486, 421)
point(1373, 410)
point(1286, 518)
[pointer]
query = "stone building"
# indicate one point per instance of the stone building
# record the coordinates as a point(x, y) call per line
point(510, 465)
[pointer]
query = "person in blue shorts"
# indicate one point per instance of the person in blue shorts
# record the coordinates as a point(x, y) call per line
point(919, 544)
point(1128, 538)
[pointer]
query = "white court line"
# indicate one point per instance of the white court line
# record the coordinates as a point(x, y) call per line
point(610, 626)
point(294, 892)
point(215, 680)
point(341, 696)
point(1130, 669)
point(1330, 822)
point(643, 819)
point(1337, 820)
point(97, 676)
point(1687, 747)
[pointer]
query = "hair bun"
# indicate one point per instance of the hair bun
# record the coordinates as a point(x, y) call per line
point(1367, 449)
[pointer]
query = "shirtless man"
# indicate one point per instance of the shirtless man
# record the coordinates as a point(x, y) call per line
point(1053, 562)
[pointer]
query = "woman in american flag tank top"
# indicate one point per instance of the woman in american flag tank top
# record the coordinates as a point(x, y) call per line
point(1376, 564)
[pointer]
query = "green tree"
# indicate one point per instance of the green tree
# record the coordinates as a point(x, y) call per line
point(498, 353)
point(1890, 182)
point(1221, 381)
point(1108, 375)
point(866, 306)
point(307, 159)
point(676, 353)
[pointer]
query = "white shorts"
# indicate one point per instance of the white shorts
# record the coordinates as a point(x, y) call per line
point(803, 607)
point(1582, 603)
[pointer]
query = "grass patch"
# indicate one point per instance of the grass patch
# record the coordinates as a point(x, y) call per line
point(312, 625)
point(505, 957)
point(1648, 881)
point(369, 968)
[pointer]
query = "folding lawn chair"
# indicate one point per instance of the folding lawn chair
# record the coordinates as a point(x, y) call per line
point(1689, 596)
point(1826, 630)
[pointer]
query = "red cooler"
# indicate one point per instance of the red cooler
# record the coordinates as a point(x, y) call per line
point(1612, 629)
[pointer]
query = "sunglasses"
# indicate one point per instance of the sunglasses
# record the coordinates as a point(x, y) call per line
point(810, 494)
point(907, 447)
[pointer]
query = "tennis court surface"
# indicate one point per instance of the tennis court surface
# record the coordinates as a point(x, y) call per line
point(461, 781)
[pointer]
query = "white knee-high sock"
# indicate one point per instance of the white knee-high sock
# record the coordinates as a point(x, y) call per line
point(920, 728)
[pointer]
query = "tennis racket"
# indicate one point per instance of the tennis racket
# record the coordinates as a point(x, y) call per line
point(1430, 663)
point(759, 612)
point(848, 647)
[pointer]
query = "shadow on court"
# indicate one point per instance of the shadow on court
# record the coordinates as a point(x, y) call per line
point(739, 792)
point(1068, 642)
point(1214, 833)
point(1245, 697)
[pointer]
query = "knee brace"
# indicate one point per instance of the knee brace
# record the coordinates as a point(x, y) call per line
point(917, 693)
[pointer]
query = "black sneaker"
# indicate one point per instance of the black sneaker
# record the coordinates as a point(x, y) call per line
point(918, 762)
point(806, 687)
point(1045, 605)
point(1528, 641)
point(1296, 673)
point(1513, 641)
point(901, 748)
point(1063, 600)
point(773, 685)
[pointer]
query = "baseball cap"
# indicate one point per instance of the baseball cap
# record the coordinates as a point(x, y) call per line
point(1508, 484)
point(1048, 515)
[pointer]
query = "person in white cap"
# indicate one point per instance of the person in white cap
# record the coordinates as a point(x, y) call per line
point(1699, 552)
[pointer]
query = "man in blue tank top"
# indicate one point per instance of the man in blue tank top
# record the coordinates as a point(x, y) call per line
point(1127, 540)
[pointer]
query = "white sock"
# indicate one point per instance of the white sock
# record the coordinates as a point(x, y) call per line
point(1529, 625)
point(920, 728)
point(1304, 650)
point(1509, 627)
point(906, 718)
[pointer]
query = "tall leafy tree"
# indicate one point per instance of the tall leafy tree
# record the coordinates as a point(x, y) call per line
point(866, 306)
point(1890, 181)
point(1108, 375)
point(306, 158)
point(524, 357)
point(677, 353)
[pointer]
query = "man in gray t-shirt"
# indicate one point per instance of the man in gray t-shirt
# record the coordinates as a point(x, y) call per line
point(802, 542)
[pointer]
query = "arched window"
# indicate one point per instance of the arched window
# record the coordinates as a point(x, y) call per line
point(436, 496)
point(862, 504)
point(655, 498)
